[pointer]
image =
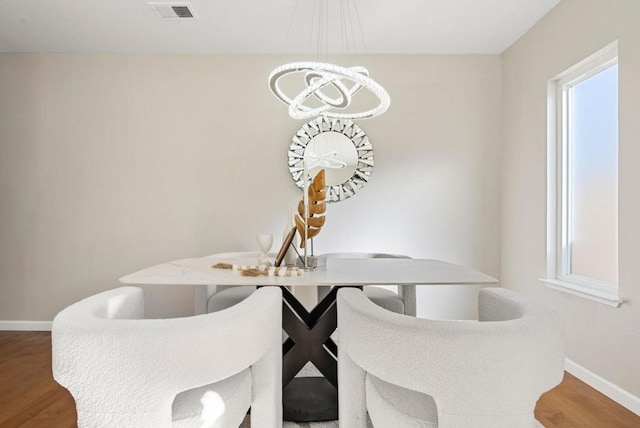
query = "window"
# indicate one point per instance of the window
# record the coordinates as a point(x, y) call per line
point(582, 242)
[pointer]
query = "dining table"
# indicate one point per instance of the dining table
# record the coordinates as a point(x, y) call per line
point(309, 331)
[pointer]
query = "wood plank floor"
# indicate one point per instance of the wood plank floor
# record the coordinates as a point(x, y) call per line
point(30, 398)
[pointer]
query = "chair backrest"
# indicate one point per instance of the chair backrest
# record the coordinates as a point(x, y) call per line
point(480, 373)
point(114, 362)
point(407, 293)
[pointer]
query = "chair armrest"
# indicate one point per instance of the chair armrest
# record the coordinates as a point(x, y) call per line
point(446, 357)
point(105, 354)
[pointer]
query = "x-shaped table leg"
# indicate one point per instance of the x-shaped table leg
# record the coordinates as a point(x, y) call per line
point(309, 336)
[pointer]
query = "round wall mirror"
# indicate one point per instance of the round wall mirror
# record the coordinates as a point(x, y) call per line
point(339, 146)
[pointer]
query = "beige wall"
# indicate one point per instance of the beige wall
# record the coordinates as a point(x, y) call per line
point(112, 163)
point(602, 339)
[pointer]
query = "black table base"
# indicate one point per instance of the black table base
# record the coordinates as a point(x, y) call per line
point(311, 398)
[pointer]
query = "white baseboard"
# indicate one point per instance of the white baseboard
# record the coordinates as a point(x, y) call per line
point(617, 394)
point(25, 325)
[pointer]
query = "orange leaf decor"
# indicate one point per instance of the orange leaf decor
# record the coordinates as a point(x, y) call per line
point(317, 206)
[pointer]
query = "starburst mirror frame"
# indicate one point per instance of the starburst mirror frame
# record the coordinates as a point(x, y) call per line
point(362, 166)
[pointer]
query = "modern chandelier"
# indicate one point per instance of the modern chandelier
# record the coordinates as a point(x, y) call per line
point(320, 77)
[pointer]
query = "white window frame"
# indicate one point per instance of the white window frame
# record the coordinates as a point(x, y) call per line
point(558, 253)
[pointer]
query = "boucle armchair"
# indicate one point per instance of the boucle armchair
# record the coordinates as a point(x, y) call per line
point(402, 302)
point(455, 374)
point(203, 371)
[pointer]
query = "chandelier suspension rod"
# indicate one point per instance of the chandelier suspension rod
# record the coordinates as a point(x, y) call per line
point(286, 36)
point(332, 85)
point(364, 43)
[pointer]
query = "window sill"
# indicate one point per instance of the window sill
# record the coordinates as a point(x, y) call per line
point(582, 291)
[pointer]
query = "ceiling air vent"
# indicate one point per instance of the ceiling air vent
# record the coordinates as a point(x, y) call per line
point(173, 10)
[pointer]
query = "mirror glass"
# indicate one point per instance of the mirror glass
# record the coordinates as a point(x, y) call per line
point(339, 146)
point(336, 153)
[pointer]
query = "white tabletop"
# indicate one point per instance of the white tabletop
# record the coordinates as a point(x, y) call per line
point(199, 271)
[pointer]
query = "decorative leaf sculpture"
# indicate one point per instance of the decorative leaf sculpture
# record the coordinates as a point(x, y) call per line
point(317, 206)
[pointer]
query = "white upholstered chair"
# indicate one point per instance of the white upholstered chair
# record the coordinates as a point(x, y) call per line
point(402, 302)
point(455, 374)
point(203, 371)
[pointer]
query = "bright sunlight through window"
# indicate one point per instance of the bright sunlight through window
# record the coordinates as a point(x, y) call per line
point(583, 179)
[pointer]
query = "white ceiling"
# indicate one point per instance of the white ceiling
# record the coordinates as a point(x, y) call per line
point(260, 26)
